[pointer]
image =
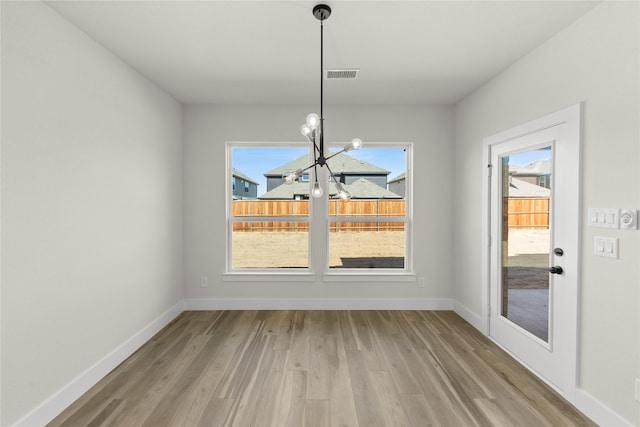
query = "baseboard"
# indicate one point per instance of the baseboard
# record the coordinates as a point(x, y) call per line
point(318, 304)
point(57, 403)
point(476, 321)
point(599, 413)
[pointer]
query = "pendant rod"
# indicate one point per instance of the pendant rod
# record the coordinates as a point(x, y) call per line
point(321, 88)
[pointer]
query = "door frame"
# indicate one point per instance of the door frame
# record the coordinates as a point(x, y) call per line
point(571, 118)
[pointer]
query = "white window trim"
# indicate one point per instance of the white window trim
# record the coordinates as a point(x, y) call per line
point(320, 225)
point(380, 274)
point(271, 274)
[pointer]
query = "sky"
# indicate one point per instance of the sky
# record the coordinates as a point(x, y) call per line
point(527, 157)
point(255, 162)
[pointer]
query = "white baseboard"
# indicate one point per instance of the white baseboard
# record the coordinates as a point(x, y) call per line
point(318, 304)
point(57, 403)
point(599, 413)
point(476, 321)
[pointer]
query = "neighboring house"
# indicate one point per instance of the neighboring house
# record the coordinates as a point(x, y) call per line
point(365, 189)
point(519, 188)
point(360, 189)
point(398, 184)
point(346, 169)
point(538, 173)
point(243, 187)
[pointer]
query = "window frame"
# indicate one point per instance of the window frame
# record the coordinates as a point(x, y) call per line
point(319, 222)
point(230, 272)
point(336, 273)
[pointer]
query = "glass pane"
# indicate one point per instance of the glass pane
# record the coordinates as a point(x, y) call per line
point(270, 208)
point(270, 245)
point(258, 173)
point(260, 191)
point(366, 245)
point(376, 180)
point(526, 239)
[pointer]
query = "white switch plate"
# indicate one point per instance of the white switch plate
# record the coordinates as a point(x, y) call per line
point(605, 246)
point(204, 282)
point(604, 218)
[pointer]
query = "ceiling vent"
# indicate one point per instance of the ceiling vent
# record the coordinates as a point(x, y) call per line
point(345, 73)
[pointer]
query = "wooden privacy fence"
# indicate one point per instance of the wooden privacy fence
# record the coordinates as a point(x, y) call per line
point(523, 213)
point(362, 209)
point(528, 212)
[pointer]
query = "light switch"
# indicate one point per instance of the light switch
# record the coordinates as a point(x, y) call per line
point(609, 217)
point(605, 218)
point(605, 246)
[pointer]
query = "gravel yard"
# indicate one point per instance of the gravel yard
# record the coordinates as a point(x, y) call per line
point(528, 252)
point(370, 249)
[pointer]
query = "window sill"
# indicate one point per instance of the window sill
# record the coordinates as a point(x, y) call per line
point(369, 276)
point(342, 276)
point(268, 276)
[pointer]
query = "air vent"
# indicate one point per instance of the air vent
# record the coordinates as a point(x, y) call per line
point(347, 73)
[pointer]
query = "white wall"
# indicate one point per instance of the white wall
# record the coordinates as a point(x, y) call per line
point(208, 127)
point(91, 204)
point(595, 60)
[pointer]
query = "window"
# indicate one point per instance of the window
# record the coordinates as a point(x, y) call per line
point(271, 232)
point(544, 181)
point(368, 234)
point(246, 186)
point(369, 231)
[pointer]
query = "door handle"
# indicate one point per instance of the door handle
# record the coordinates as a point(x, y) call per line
point(556, 270)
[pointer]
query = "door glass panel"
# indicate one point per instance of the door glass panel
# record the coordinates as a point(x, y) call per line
point(526, 239)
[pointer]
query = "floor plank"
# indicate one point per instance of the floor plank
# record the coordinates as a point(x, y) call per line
point(320, 368)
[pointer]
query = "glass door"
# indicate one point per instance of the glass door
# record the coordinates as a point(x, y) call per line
point(532, 260)
point(526, 239)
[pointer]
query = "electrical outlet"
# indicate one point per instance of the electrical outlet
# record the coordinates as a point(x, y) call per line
point(204, 282)
point(638, 389)
point(629, 219)
point(421, 282)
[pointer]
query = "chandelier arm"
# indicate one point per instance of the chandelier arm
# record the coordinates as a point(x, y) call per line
point(317, 151)
point(308, 167)
point(338, 184)
point(335, 154)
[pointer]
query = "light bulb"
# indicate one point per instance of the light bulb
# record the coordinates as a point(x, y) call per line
point(312, 120)
point(306, 130)
point(344, 195)
point(292, 176)
point(316, 191)
point(353, 145)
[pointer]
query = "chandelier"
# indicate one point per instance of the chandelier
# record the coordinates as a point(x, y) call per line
point(313, 129)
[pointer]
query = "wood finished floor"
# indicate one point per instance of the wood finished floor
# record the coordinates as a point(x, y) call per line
point(320, 368)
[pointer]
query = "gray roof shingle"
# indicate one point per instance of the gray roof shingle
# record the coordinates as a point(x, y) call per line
point(360, 189)
point(341, 164)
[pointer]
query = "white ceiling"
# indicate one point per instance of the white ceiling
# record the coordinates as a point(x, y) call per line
point(268, 52)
